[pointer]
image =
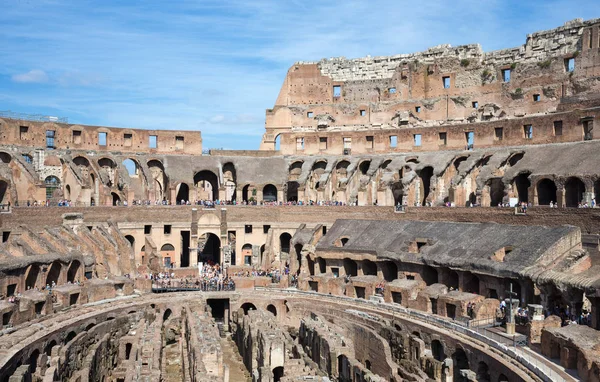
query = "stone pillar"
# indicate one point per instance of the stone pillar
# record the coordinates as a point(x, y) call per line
point(224, 238)
point(560, 196)
point(595, 314)
point(194, 239)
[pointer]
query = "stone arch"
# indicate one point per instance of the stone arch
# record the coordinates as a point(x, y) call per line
point(73, 271)
point(341, 167)
point(116, 199)
point(546, 191)
point(131, 240)
point(369, 268)
point(574, 191)
point(167, 314)
point(398, 192)
point(81, 161)
point(272, 309)
point(502, 378)
point(389, 270)
point(167, 247)
point(32, 276)
point(90, 326)
point(483, 372)
point(183, 193)
point(72, 334)
point(437, 350)
point(230, 181)
point(350, 267)
point(461, 362)
point(295, 170)
point(430, 275)
point(522, 183)
point(33, 360)
point(132, 167)
point(363, 167)
point(425, 176)
point(210, 246)
point(207, 185)
point(457, 162)
point(385, 165)
point(496, 191)
point(4, 195)
point(53, 273)
point(48, 348)
point(278, 373)
point(5, 157)
point(319, 166)
point(52, 185)
point(284, 242)
point(247, 306)
point(452, 279)
point(515, 158)
point(160, 179)
point(247, 193)
point(292, 191)
point(107, 162)
point(269, 193)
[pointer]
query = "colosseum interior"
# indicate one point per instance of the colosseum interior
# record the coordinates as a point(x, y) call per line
point(425, 217)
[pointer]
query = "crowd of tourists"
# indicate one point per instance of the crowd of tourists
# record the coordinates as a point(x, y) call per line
point(210, 278)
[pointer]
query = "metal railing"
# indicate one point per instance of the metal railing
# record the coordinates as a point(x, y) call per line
point(514, 350)
point(202, 287)
point(32, 117)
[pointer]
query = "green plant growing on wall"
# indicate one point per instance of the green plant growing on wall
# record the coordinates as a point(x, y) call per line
point(513, 66)
point(545, 64)
point(464, 62)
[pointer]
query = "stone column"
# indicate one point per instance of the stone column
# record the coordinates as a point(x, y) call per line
point(194, 239)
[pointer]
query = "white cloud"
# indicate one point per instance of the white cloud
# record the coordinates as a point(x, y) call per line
point(32, 76)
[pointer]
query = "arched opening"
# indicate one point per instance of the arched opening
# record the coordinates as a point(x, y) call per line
point(430, 275)
point(48, 348)
point(52, 184)
point(69, 337)
point(546, 191)
point(284, 242)
point(89, 327)
point(209, 246)
point(5, 158)
point(247, 253)
point(277, 142)
point(574, 191)
point(295, 170)
point(133, 169)
point(322, 264)
point(425, 176)
point(53, 273)
point(33, 360)
point(270, 193)
point(369, 268)
point(458, 161)
point(311, 265)
point(131, 240)
point(461, 362)
point(67, 192)
point(472, 199)
point(32, 276)
point(247, 307)
point(116, 200)
point(483, 372)
point(452, 279)
point(502, 378)
point(522, 185)
point(496, 191)
point(292, 191)
point(207, 185)
point(4, 195)
point(229, 181)
point(350, 267)
point(271, 308)
point(167, 252)
point(160, 180)
point(73, 270)
point(363, 167)
point(245, 190)
point(471, 283)
point(389, 270)
point(398, 192)
point(277, 373)
point(437, 350)
point(128, 348)
point(183, 193)
point(513, 160)
point(167, 314)
point(368, 364)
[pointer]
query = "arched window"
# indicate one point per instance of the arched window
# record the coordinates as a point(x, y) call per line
point(52, 183)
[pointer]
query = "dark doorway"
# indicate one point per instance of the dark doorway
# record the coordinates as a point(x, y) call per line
point(218, 306)
point(437, 350)
point(185, 248)
point(277, 374)
point(496, 191)
point(574, 190)
point(292, 191)
point(546, 190)
point(430, 275)
point(210, 244)
point(183, 194)
point(425, 175)
point(284, 242)
point(270, 193)
point(522, 185)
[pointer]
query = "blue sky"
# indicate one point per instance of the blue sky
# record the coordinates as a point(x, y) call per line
point(216, 65)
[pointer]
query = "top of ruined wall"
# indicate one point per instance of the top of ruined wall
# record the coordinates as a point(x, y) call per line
point(538, 47)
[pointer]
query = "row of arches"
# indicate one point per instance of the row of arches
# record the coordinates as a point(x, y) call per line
point(54, 274)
